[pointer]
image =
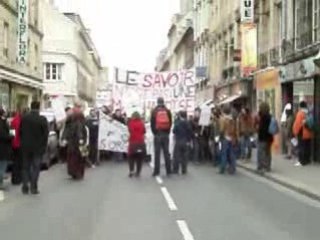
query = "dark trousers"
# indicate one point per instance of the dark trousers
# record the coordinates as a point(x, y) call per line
point(93, 152)
point(304, 149)
point(16, 174)
point(180, 158)
point(135, 162)
point(31, 170)
point(161, 142)
point(63, 154)
point(228, 157)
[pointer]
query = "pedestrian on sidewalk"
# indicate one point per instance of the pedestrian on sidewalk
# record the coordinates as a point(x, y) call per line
point(228, 138)
point(245, 122)
point(16, 174)
point(137, 146)
point(304, 135)
point(76, 140)
point(161, 123)
point(288, 130)
point(5, 145)
point(183, 135)
point(265, 139)
point(34, 131)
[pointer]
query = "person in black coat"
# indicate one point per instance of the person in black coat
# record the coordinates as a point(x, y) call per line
point(5, 145)
point(92, 123)
point(34, 133)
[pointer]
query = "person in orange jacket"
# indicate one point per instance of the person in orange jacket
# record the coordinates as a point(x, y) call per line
point(303, 134)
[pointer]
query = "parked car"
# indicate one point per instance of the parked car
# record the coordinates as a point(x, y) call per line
point(52, 153)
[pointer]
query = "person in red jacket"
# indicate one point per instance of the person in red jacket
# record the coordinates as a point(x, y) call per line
point(16, 174)
point(137, 146)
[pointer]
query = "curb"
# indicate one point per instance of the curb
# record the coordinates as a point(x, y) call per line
point(299, 188)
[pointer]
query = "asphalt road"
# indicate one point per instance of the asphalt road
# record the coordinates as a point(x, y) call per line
point(202, 205)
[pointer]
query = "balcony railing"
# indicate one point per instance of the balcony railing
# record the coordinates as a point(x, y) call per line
point(275, 56)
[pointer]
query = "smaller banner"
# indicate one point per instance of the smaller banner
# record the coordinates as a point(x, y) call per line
point(205, 116)
point(22, 48)
point(249, 49)
point(113, 135)
point(247, 11)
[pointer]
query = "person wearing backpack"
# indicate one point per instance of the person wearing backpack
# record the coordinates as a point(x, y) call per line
point(161, 122)
point(265, 138)
point(228, 138)
point(302, 130)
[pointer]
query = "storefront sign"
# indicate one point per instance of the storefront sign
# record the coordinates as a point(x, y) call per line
point(247, 11)
point(299, 70)
point(248, 49)
point(22, 50)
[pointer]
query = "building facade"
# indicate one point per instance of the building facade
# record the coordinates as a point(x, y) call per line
point(179, 53)
point(20, 53)
point(71, 64)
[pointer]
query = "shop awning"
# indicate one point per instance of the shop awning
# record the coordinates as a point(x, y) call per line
point(20, 79)
point(231, 99)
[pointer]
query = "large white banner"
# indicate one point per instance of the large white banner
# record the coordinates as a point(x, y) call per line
point(22, 49)
point(132, 89)
point(113, 136)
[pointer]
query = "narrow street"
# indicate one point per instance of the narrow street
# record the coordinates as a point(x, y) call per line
point(202, 205)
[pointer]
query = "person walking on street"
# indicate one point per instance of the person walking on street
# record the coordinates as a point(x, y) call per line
point(34, 133)
point(198, 154)
point(183, 136)
point(16, 174)
point(161, 123)
point(245, 132)
point(5, 145)
point(137, 146)
point(304, 134)
point(93, 126)
point(265, 139)
point(228, 138)
point(75, 137)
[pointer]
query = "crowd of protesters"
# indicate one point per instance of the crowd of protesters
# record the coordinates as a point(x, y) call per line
point(230, 135)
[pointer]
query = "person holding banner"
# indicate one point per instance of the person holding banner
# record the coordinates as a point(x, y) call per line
point(137, 147)
point(161, 122)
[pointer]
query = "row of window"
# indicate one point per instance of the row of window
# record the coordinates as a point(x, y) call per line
point(5, 39)
point(52, 71)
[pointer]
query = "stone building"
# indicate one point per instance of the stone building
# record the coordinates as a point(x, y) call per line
point(20, 53)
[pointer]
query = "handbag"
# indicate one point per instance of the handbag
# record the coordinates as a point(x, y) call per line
point(84, 151)
point(138, 148)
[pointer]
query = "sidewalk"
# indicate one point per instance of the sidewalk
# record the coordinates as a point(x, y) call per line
point(305, 180)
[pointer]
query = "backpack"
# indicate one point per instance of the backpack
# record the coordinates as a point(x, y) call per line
point(273, 127)
point(162, 119)
point(309, 124)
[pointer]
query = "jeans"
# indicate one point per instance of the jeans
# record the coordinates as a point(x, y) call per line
point(264, 156)
point(227, 156)
point(161, 142)
point(3, 169)
point(31, 170)
point(245, 145)
point(181, 151)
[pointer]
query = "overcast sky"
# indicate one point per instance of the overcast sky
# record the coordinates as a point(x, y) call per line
point(128, 33)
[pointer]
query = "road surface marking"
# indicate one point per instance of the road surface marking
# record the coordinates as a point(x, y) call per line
point(159, 180)
point(184, 229)
point(1, 196)
point(172, 206)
